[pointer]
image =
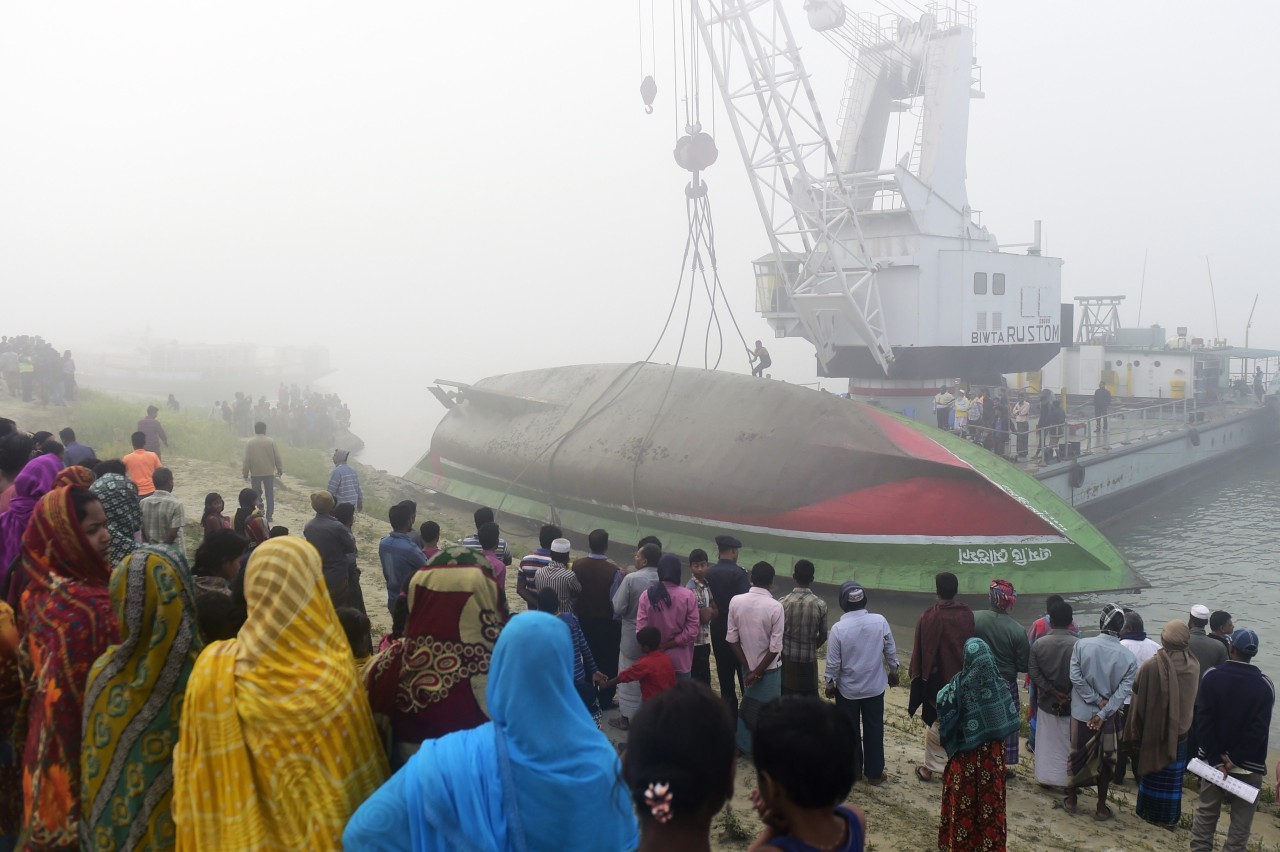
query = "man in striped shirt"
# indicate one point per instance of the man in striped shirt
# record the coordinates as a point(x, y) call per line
point(557, 575)
point(698, 566)
point(344, 484)
point(804, 631)
point(527, 573)
point(484, 515)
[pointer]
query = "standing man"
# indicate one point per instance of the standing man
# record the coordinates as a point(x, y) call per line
point(141, 464)
point(527, 573)
point(698, 567)
point(150, 426)
point(858, 650)
point(1022, 423)
point(1220, 624)
point(1010, 648)
point(162, 513)
point(261, 466)
point(596, 573)
point(1208, 653)
point(1102, 673)
point(961, 408)
point(1050, 669)
point(1101, 402)
point(1259, 384)
point(344, 483)
point(754, 632)
point(482, 516)
point(626, 605)
point(942, 402)
point(805, 629)
point(487, 537)
point(1134, 637)
point(337, 548)
point(937, 656)
point(76, 452)
point(557, 575)
point(760, 358)
point(400, 557)
point(1233, 718)
point(726, 580)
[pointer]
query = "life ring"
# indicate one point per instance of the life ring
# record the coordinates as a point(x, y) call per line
point(1076, 476)
point(1193, 435)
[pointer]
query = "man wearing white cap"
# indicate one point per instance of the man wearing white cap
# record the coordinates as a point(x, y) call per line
point(856, 678)
point(557, 574)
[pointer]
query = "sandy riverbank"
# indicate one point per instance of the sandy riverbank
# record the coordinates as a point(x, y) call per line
point(902, 814)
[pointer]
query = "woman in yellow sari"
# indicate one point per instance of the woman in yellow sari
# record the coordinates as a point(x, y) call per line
point(278, 746)
point(133, 703)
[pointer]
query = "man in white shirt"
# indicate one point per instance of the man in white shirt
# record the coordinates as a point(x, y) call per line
point(1021, 422)
point(755, 634)
point(856, 676)
point(942, 402)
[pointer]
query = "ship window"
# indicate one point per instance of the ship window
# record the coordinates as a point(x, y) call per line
point(982, 321)
point(980, 283)
point(997, 284)
point(997, 320)
point(1119, 363)
point(1157, 363)
point(1137, 363)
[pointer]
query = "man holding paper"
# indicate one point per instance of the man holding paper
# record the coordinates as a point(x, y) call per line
point(1233, 716)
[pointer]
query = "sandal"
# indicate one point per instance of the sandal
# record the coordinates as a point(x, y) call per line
point(1101, 817)
point(620, 723)
point(1070, 809)
point(922, 776)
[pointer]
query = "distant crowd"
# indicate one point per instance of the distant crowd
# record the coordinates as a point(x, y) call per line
point(34, 371)
point(301, 417)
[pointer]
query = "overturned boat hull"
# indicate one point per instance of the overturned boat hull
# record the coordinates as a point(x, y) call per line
point(688, 454)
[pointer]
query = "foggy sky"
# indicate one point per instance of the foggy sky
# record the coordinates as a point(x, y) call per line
point(456, 190)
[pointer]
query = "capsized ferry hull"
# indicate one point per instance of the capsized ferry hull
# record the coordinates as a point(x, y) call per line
point(687, 454)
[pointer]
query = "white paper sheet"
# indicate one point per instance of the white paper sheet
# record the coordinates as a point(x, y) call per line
point(1230, 783)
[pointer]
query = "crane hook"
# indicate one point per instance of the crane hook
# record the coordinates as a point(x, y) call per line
point(648, 91)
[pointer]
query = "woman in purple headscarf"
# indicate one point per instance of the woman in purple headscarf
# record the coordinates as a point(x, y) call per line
point(31, 484)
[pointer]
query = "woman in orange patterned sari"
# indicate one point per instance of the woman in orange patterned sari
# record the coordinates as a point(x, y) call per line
point(66, 623)
point(431, 681)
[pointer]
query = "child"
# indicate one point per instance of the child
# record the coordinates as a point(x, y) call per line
point(213, 519)
point(653, 670)
point(277, 532)
point(217, 616)
point(585, 673)
point(803, 751)
point(707, 611)
point(679, 766)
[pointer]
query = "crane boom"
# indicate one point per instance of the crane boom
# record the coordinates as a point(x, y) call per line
point(824, 270)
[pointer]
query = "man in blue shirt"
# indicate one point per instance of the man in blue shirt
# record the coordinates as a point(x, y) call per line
point(344, 484)
point(1233, 718)
point(859, 648)
point(400, 557)
point(74, 452)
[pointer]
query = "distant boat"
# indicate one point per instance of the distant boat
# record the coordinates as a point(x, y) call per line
point(688, 454)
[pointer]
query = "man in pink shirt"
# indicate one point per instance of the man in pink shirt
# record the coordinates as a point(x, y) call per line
point(755, 635)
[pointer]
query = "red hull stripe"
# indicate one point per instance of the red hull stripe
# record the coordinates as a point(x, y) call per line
point(923, 506)
point(912, 441)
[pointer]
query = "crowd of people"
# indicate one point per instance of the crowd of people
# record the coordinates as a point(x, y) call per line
point(33, 371)
point(990, 417)
point(240, 701)
point(301, 416)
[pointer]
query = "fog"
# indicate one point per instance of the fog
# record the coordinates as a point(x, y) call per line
point(455, 190)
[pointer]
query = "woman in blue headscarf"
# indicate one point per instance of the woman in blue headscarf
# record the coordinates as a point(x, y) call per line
point(520, 782)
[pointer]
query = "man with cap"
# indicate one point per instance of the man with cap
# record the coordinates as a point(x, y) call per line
point(1008, 643)
point(1102, 673)
point(726, 579)
point(1233, 718)
point(557, 574)
point(804, 630)
point(937, 655)
point(344, 484)
point(1208, 652)
point(337, 548)
point(859, 647)
point(961, 408)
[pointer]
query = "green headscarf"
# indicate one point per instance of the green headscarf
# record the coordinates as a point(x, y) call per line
point(975, 707)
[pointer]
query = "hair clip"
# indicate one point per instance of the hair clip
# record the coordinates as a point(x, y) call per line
point(658, 797)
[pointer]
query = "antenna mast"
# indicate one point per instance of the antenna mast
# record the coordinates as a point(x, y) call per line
point(1214, 298)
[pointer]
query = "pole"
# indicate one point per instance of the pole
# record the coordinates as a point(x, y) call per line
point(1142, 288)
point(1213, 298)
point(1248, 325)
